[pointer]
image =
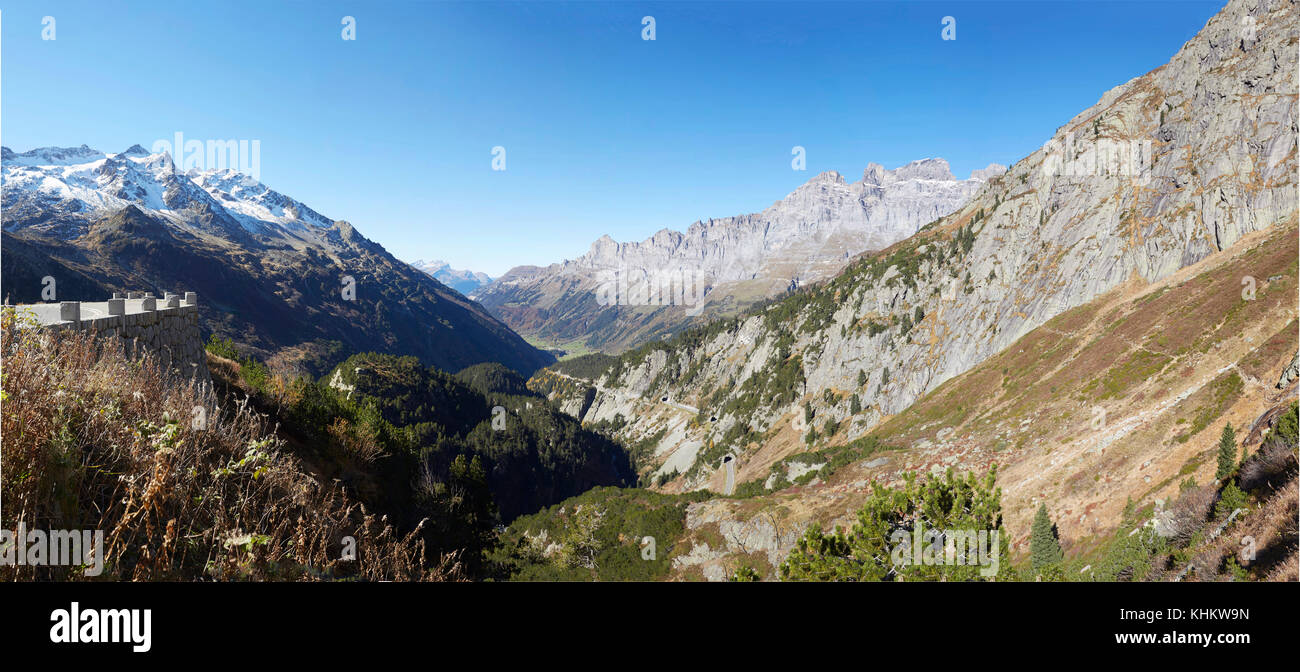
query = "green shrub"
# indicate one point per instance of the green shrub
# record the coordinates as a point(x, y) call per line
point(600, 535)
point(878, 546)
point(1230, 499)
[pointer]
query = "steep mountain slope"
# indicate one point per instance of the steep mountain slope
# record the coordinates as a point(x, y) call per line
point(1164, 171)
point(533, 455)
point(461, 281)
point(271, 272)
point(621, 294)
point(1120, 399)
point(227, 501)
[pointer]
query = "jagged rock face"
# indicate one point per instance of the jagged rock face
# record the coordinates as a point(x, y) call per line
point(883, 208)
point(805, 237)
point(1163, 171)
point(1290, 374)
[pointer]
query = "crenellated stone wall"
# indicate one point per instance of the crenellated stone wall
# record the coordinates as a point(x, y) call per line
point(167, 327)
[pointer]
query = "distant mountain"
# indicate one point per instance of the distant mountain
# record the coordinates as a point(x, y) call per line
point(461, 281)
point(271, 272)
point(725, 264)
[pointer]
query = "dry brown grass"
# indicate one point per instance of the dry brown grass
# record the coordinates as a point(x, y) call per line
point(1287, 570)
point(93, 439)
point(1270, 530)
point(1188, 515)
point(1274, 463)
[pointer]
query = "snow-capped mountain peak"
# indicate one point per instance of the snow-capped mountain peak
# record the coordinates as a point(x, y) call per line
point(252, 202)
point(50, 156)
point(461, 281)
point(68, 187)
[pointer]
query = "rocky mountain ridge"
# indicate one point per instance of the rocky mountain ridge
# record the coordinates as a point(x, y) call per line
point(614, 295)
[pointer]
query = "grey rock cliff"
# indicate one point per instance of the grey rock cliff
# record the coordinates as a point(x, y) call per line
point(805, 237)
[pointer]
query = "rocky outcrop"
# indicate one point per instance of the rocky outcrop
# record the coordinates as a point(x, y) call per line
point(762, 535)
point(1290, 374)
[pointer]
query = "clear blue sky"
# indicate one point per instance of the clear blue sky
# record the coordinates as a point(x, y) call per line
point(605, 133)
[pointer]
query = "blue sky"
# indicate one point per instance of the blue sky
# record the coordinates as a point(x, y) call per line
point(605, 133)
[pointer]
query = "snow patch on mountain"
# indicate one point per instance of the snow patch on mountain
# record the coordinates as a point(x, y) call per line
point(60, 190)
point(459, 280)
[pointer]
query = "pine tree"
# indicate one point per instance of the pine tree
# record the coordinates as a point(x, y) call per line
point(878, 546)
point(1227, 452)
point(855, 405)
point(862, 377)
point(1044, 545)
point(1129, 516)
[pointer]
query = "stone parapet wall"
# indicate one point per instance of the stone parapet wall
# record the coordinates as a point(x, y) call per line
point(167, 327)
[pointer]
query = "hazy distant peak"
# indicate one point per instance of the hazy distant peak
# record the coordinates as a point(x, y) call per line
point(53, 156)
point(993, 170)
point(921, 169)
point(461, 281)
point(925, 169)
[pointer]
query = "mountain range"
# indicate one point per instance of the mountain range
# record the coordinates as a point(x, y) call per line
point(613, 297)
point(287, 282)
point(461, 281)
